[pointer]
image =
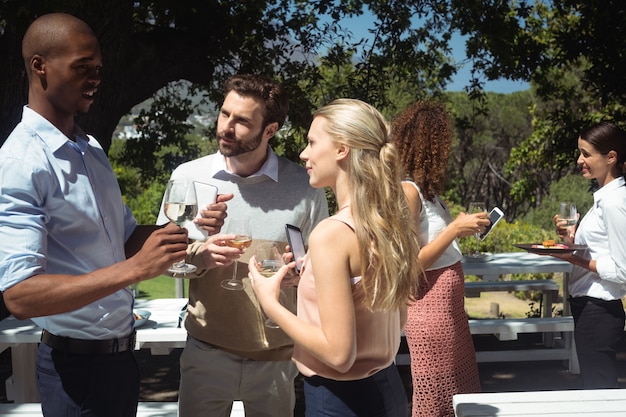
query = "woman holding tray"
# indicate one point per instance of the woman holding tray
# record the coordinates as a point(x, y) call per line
point(598, 279)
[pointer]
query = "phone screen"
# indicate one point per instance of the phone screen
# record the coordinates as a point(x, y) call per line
point(296, 243)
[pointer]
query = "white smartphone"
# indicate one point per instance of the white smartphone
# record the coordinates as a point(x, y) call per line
point(494, 217)
point(296, 244)
point(205, 194)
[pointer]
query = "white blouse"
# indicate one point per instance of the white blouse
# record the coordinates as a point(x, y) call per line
point(603, 231)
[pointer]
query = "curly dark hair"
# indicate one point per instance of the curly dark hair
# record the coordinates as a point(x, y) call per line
point(423, 136)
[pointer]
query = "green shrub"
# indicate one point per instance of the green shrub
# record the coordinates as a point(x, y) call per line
point(502, 238)
point(505, 235)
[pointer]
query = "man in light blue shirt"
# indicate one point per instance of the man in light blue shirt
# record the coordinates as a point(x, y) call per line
point(69, 247)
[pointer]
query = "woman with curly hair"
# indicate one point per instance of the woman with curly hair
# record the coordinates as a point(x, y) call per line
point(443, 360)
point(359, 273)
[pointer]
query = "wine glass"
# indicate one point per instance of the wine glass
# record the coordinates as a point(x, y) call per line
point(567, 212)
point(476, 207)
point(180, 206)
point(240, 227)
point(268, 261)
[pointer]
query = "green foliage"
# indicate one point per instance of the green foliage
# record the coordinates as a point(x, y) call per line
point(482, 147)
point(289, 142)
point(146, 205)
point(164, 140)
point(505, 235)
point(550, 151)
point(572, 56)
point(127, 176)
point(573, 188)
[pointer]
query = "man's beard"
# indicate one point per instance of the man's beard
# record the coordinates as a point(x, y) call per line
point(240, 146)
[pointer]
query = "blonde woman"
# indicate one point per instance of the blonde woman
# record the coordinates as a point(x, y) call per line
point(359, 273)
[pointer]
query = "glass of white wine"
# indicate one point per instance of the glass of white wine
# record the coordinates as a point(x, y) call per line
point(268, 261)
point(476, 207)
point(567, 212)
point(240, 227)
point(180, 206)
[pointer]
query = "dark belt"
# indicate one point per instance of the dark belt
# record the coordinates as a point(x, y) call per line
point(88, 347)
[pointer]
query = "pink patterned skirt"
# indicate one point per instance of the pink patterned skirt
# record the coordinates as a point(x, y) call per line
point(443, 360)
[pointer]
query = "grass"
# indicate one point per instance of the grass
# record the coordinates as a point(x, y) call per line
point(510, 305)
point(160, 287)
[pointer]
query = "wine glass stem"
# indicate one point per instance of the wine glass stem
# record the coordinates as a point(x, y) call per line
point(179, 264)
point(476, 244)
point(234, 272)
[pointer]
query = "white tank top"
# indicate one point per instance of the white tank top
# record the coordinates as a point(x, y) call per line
point(435, 217)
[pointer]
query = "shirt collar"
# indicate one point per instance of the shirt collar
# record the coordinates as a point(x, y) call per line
point(608, 189)
point(53, 137)
point(269, 167)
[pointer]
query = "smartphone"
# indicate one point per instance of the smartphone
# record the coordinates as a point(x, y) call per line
point(205, 194)
point(494, 217)
point(296, 243)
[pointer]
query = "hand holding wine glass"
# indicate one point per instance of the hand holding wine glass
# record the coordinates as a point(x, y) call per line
point(476, 207)
point(268, 261)
point(569, 215)
point(240, 227)
point(180, 206)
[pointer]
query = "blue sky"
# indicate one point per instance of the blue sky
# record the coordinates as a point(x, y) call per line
point(359, 27)
point(463, 75)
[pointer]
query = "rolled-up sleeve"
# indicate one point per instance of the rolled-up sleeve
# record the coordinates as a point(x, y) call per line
point(612, 266)
point(22, 223)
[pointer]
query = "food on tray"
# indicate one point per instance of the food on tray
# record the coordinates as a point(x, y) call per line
point(550, 245)
point(541, 248)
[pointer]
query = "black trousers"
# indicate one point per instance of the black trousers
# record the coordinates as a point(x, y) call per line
point(598, 330)
point(87, 385)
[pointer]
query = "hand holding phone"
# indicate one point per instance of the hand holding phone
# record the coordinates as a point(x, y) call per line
point(494, 217)
point(296, 244)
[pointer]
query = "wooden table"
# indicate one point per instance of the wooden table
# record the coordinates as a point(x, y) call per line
point(517, 263)
point(160, 334)
point(525, 263)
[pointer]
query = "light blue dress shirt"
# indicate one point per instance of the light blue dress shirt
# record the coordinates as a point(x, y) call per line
point(61, 212)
